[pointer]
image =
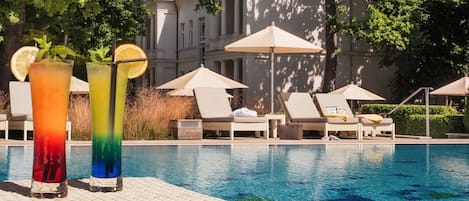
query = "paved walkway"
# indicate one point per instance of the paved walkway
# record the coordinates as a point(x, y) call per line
point(134, 189)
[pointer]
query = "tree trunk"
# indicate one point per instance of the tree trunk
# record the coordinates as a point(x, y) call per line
point(13, 34)
point(331, 49)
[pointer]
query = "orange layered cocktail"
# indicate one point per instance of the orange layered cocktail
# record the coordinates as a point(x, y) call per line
point(50, 88)
point(49, 75)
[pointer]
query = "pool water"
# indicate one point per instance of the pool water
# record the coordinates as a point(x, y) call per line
point(284, 172)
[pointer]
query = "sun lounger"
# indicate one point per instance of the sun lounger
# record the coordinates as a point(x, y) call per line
point(301, 109)
point(21, 109)
point(370, 123)
point(4, 124)
point(337, 110)
point(375, 124)
point(215, 111)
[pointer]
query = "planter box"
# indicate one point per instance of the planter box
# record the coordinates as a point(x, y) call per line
point(290, 131)
point(457, 135)
point(186, 129)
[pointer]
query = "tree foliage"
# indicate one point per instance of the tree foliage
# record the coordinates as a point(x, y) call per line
point(211, 6)
point(425, 39)
point(82, 24)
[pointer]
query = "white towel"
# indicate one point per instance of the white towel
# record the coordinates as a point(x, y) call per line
point(243, 112)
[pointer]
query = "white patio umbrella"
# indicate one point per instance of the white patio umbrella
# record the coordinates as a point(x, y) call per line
point(354, 92)
point(272, 40)
point(187, 92)
point(78, 86)
point(200, 77)
point(459, 87)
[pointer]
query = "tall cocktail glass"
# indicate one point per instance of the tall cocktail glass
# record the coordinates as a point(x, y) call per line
point(50, 89)
point(106, 141)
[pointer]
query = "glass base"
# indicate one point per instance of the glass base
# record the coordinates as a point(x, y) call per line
point(105, 184)
point(49, 190)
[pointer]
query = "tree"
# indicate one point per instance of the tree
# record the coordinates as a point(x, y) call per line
point(426, 40)
point(331, 46)
point(211, 6)
point(81, 24)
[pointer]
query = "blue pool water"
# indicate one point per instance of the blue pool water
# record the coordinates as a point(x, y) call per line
point(284, 172)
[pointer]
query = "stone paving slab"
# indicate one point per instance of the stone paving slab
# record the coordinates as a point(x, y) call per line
point(134, 189)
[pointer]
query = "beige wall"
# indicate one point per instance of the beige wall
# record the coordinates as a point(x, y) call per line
point(160, 43)
point(294, 72)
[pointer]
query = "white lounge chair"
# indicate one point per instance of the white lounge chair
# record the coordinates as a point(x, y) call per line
point(300, 108)
point(4, 124)
point(21, 109)
point(375, 127)
point(215, 111)
point(369, 123)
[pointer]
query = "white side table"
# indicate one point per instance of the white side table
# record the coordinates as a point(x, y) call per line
point(274, 120)
point(186, 129)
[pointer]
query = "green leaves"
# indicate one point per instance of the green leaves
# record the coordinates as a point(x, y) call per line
point(100, 54)
point(53, 53)
point(211, 6)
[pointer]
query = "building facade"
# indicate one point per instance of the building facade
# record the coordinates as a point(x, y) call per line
point(179, 40)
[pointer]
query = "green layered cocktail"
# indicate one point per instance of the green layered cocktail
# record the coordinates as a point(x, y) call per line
point(106, 158)
point(107, 99)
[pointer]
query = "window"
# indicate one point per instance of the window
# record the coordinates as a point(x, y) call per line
point(155, 32)
point(202, 42)
point(191, 34)
point(148, 33)
point(229, 16)
point(181, 32)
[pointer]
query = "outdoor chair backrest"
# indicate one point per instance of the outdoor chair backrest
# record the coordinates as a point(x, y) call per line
point(299, 105)
point(20, 98)
point(333, 104)
point(212, 102)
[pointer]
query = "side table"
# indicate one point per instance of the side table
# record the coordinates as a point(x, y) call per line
point(274, 120)
point(186, 129)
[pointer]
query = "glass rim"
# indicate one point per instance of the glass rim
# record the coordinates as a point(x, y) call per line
point(101, 63)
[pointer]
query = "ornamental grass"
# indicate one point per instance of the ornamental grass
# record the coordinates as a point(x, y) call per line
point(147, 115)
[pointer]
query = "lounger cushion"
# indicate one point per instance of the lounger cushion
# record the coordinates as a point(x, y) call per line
point(312, 120)
point(212, 103)
point(337, 120)
point(300, 106)
point(21, 117)
point(236, 119)
point(328, 103)
point(384, 121)
point(215, 107)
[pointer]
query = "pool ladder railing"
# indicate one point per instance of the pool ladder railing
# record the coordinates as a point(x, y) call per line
point(427, 101)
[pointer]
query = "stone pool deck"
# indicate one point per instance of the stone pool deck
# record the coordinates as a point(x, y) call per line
point(146, 188)
point(400, 139)
point(135, 189)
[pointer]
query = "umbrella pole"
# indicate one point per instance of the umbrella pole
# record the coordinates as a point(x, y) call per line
point(272, 81)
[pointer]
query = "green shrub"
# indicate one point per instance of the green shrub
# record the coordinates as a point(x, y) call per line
point(466, 116)
point(456, 124)
point(406, 110)
point(415, 125)
point(410, 119)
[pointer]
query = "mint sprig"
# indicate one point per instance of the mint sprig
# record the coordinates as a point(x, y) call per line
point(53, 53)
point(100, 54)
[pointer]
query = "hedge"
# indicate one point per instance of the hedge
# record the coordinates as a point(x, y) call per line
point(410, 119)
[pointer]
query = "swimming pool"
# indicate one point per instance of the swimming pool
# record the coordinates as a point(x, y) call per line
point(284, 172)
